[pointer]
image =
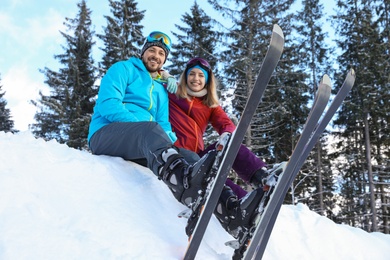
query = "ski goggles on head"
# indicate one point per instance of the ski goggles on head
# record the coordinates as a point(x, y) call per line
point(199, 61)
point(157, 36)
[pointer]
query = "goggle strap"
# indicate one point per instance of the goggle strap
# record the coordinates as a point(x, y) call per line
point(189, 66)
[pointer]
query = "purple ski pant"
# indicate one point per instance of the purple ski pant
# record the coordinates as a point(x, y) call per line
point(245, 165)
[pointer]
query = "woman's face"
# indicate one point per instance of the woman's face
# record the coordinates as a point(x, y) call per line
point(196, 80)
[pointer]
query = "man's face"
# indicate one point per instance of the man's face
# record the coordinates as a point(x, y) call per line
point(153, 58)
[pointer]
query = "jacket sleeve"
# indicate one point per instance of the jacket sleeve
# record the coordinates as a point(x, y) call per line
point(111, 95)
point(220, 121)
point(162, 116)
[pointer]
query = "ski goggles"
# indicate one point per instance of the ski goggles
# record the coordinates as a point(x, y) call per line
point(157, 36)
point(199, 61)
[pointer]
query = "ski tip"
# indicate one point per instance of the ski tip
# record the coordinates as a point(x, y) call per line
point(351, 77)
point(352, 72)
point(326, 80)
point(278, 30)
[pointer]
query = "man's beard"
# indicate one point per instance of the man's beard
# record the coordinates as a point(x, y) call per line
point(150, 69)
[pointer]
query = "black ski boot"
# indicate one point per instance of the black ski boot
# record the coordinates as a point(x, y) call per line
point(236, 216)
point(259, 177)
point(264, 178)
point(185, 181)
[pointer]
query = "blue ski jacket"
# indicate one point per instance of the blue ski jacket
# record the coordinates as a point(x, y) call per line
point(128, 93)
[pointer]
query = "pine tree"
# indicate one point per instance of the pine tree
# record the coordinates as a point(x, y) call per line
point(244, 48)
point(122, 36)
point(283, 104)
point(65, 113)
point(198, 40)
point(314, 61)
point(363, 117)
point(6, 122)
point(275, 126)
point(381, 138)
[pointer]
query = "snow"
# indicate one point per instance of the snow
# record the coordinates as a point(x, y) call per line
point(60, 203)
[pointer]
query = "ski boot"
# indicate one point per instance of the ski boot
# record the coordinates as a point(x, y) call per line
point(264, 178)
point(185, 181)
point(237, 216)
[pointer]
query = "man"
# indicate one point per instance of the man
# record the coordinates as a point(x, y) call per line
point(131, 121)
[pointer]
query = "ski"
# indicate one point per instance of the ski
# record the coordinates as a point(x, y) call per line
point(322, 97)
point(204, 208)
point(313, 129)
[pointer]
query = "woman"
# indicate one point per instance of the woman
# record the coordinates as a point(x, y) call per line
point(194, 106)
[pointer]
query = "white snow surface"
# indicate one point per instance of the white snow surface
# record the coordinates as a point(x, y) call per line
point(61, 203)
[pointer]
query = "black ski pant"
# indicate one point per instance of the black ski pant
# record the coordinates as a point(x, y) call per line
point(141, 142)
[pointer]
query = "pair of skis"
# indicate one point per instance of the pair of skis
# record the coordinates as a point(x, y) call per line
point(315, 125)
point(266, 222)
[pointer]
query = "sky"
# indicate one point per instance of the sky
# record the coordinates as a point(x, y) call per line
point(60, 203)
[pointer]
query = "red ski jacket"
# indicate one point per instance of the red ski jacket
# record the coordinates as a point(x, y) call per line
point(189, 120)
